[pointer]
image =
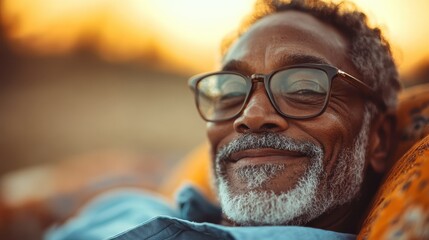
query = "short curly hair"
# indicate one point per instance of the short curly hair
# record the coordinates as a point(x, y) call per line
point(369, 51)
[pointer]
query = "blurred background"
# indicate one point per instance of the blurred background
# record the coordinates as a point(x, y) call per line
point(86, 77)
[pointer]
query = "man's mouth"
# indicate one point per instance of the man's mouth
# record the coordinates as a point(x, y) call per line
point(264, 155)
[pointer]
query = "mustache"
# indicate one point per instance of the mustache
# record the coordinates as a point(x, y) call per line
point(268, 140)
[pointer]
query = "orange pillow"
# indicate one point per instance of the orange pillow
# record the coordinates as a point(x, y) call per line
point(412, 118)
point(195, 169)
point(401, 206)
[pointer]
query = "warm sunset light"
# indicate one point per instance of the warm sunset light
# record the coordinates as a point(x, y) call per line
point(95, 106)
point(181, 34)
point(186, 33)
point(405, 24)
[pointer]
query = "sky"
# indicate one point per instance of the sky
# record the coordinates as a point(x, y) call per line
point(183, 35)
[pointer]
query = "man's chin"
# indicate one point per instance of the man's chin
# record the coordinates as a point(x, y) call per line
point(262, 207)
point(275, 186)
point(284, 195)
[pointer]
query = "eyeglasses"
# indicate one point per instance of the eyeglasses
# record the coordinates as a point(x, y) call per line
point(298, 91)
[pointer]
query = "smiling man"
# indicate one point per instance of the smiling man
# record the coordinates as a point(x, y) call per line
point(297, 117)
point(289, 123)
point(299, 120)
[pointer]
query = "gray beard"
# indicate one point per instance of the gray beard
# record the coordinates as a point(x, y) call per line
point(308, 199)
point(259, 175)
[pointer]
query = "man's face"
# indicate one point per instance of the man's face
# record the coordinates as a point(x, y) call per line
point(274, 170)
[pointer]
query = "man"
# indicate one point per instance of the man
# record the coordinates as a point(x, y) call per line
point(299, 120)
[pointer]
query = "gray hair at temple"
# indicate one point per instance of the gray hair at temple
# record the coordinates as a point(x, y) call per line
point(369, 51)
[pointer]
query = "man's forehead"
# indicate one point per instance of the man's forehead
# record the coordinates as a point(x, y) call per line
point(280, 59)
point(283, 37)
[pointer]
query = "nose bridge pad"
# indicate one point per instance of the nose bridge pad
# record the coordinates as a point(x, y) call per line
point(257, 77)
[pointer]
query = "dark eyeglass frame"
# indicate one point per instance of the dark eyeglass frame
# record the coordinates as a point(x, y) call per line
point(331, 71)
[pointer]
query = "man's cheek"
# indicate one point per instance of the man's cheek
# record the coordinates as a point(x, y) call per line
point(213, 135)
point(217, 134)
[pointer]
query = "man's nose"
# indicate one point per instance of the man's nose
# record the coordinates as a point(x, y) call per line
point(259, 115)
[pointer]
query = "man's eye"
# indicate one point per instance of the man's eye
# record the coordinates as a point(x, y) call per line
point(232, 95)
point(304, 87)
point(232, 87)
point(231, 99)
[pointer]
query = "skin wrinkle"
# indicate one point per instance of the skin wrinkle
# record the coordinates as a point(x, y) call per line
point(333, 155)
point(299, 205)
point(354, 164)
point(309, 125)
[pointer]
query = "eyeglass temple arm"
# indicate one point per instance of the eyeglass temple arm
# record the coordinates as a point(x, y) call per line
point(365, 88)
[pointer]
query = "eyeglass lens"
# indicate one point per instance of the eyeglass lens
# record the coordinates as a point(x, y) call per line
point(296, 92)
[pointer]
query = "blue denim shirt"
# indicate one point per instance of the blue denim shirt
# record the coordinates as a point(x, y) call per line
point(132, 214)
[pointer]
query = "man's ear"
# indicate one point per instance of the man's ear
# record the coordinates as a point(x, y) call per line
point(382, 142)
